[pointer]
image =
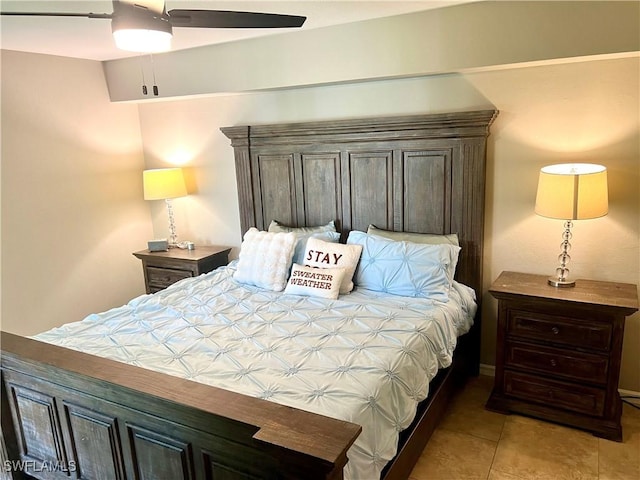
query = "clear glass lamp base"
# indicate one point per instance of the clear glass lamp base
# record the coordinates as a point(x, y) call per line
point(559, 282)
point(562, 272)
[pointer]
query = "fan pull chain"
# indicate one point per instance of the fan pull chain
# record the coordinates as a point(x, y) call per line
point(153, 71)
point(144, 86)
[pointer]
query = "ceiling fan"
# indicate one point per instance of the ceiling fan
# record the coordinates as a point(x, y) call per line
point(138, 28)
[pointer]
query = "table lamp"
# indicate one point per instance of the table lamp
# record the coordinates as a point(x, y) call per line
point(571, 191)
point(165, 184)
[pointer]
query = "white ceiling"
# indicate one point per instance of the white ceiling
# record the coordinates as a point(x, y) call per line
point(91, 38)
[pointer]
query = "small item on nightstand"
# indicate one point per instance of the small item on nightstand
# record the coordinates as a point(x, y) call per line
point(160, 245)
point(186, 245)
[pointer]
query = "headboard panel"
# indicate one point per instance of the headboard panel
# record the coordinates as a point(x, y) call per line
point(423, 173)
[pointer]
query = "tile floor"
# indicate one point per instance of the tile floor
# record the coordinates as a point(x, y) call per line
point(475, 444)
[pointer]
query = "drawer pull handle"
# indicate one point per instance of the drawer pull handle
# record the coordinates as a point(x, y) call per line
point(555, 330)
point(553, 362)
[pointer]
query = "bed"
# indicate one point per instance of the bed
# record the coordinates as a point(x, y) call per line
point(71, 414)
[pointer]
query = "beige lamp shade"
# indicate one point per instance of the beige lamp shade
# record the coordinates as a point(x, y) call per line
point(163, 183)
point(572, 191)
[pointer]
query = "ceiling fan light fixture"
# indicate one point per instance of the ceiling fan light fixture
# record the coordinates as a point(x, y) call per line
point(142, 33)
point(142, 41)
point(144, 28)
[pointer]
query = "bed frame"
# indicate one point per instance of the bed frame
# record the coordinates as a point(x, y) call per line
point(67, 414)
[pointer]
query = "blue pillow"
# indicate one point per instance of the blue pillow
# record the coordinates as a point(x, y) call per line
point(405, 268)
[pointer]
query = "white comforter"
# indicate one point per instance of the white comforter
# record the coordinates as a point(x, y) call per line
point(366, 358)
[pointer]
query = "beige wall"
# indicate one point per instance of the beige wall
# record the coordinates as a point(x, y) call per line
point(442, 40)
point(576, 111)
point(72, 208)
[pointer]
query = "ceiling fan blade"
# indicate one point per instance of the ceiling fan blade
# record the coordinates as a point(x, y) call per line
point(57, 14)
point(231, 19)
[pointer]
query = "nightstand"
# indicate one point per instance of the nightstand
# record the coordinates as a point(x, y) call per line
point(162, 269)
point(558, 350)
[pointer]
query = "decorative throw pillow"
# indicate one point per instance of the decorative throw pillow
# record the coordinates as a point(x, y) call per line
point(301, 243)
point(429, 238)
point(331, 255)
point(405, 268)
point(265, 258)
point(315, 282)
point(277, 227)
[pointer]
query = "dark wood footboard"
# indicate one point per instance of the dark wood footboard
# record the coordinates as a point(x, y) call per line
point(66, 414)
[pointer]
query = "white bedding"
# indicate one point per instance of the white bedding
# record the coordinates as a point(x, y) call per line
point(366, 357)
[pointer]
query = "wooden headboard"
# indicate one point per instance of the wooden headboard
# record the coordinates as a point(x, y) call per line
point(423, 173)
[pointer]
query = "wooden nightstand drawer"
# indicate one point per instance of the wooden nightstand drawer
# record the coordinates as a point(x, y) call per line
point(559, 330)
point(569, 396)
point(558, 362)
point(163, 277)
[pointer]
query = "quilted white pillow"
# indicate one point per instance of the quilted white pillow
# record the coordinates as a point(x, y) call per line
point(265, 258)
point(315, 282)
point(331, 255)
